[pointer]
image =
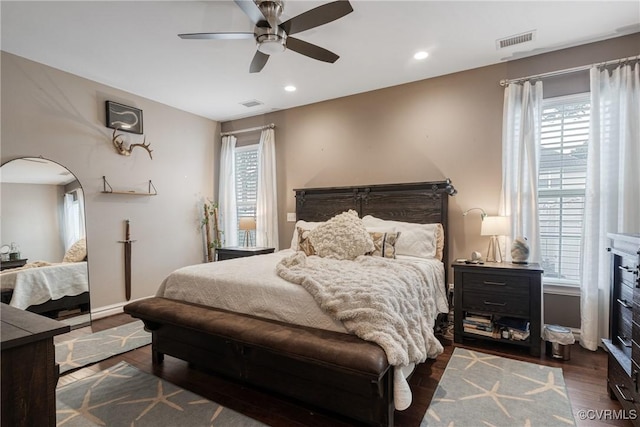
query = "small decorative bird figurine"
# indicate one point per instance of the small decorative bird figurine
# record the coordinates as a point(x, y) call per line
point(520, 251)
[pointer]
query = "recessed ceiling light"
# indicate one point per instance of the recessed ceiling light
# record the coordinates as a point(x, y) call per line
point(421, 55)
point(290, 88)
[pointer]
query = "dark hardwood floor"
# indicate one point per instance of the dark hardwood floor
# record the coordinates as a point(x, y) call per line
point(585, 376)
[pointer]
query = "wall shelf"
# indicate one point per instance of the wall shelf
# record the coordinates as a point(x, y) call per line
point(107, 189)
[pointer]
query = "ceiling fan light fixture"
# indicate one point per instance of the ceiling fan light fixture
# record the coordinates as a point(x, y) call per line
point(271, 44)
point(272, 35)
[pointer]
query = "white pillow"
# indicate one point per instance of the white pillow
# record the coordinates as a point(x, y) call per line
point(342, 237)
point(77, 252)
point(304, 225)
point(419, 240)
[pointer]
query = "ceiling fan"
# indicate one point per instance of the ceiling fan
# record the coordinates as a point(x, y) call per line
point(273, 36)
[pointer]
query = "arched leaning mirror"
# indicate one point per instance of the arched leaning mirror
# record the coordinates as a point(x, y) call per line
point(43, 253)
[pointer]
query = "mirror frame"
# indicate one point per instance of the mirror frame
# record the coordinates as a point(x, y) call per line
point(52, 308)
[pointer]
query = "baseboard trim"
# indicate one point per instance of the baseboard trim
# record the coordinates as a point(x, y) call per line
point(555, 289)
point(110, 310)
point(576, 333)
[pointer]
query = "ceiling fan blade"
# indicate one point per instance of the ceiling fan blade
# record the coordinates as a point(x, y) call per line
point(311, 50)
point(258, 62)
point(252, 11)
point(216, 36)
point(315, 17)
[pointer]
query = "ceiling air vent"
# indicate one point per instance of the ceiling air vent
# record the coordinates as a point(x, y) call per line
point(514, 40)
point(252, 103)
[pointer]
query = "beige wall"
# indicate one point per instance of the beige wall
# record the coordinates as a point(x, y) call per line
point(31, 217)
point(444, 127)
point(49, 113)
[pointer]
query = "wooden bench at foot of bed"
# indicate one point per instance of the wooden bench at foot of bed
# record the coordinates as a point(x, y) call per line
point(331, 370)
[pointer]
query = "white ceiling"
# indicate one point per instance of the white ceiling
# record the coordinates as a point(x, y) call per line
point(134, 46)
point(35, 170)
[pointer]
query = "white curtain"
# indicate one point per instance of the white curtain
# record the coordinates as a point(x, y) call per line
point(73, 217)
point(613, 188)
point(267, 200)
point(227, 192)
point(522, 115)
point(81, 216)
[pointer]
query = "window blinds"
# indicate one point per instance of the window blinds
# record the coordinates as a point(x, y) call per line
point(246, 184)
point(561, 185)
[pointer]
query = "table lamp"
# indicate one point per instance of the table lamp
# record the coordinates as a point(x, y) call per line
point(495, 226)
point(247, 224)
point(483, 214)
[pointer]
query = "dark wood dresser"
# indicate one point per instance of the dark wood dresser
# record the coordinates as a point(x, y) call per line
point(494, 291)
point(29, 370)
point(623, 344)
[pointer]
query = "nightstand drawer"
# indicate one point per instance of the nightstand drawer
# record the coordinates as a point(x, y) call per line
point(503, 283)
point(495, 302)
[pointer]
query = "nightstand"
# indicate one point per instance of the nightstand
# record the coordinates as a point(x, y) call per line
point(488, 296)
point(14, 263)
point(240, 251)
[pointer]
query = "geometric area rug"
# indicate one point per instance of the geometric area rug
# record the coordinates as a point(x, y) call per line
point(88, 349)
point(124, 396)
point(478, 389)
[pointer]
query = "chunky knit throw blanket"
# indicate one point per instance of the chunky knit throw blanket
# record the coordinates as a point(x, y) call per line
point(386, 301)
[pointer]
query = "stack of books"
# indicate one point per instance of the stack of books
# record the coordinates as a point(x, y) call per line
point(518, 329)
point(479, 324)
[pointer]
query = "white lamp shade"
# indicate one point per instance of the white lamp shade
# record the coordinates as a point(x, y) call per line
point(247, 223)
point(495, 226)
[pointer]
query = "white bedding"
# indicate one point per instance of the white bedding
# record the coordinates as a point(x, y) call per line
point(33, 286)
point(387, 301)
point(251, 285)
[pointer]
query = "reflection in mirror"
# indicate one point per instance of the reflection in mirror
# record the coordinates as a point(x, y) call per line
point(43, 257)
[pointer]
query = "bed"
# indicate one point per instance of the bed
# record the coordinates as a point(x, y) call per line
point(47, 288)
point(260, 339)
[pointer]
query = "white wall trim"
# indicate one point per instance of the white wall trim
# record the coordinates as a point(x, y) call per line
point(110, 310)
point(576, 333)
point(556, 289)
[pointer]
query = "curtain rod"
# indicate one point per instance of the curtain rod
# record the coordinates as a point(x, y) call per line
point(269, 126)
point(568, 70)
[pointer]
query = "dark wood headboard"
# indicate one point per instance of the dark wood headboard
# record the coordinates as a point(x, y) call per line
point(420, 202)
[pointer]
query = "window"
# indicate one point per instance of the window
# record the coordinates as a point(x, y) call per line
point(246, 186)
point(561, 185)
point(73, 217)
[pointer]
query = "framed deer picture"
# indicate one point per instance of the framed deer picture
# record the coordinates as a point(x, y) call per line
point(124, 118)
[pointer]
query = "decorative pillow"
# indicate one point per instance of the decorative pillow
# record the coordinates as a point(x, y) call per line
point(304, 244)
point(341, 237)
point(419, 240)
point(305, 226)
point(439, 241)
point(77, 252)
point(384, 243)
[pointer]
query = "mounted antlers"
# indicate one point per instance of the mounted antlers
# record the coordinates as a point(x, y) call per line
point(126, 151)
